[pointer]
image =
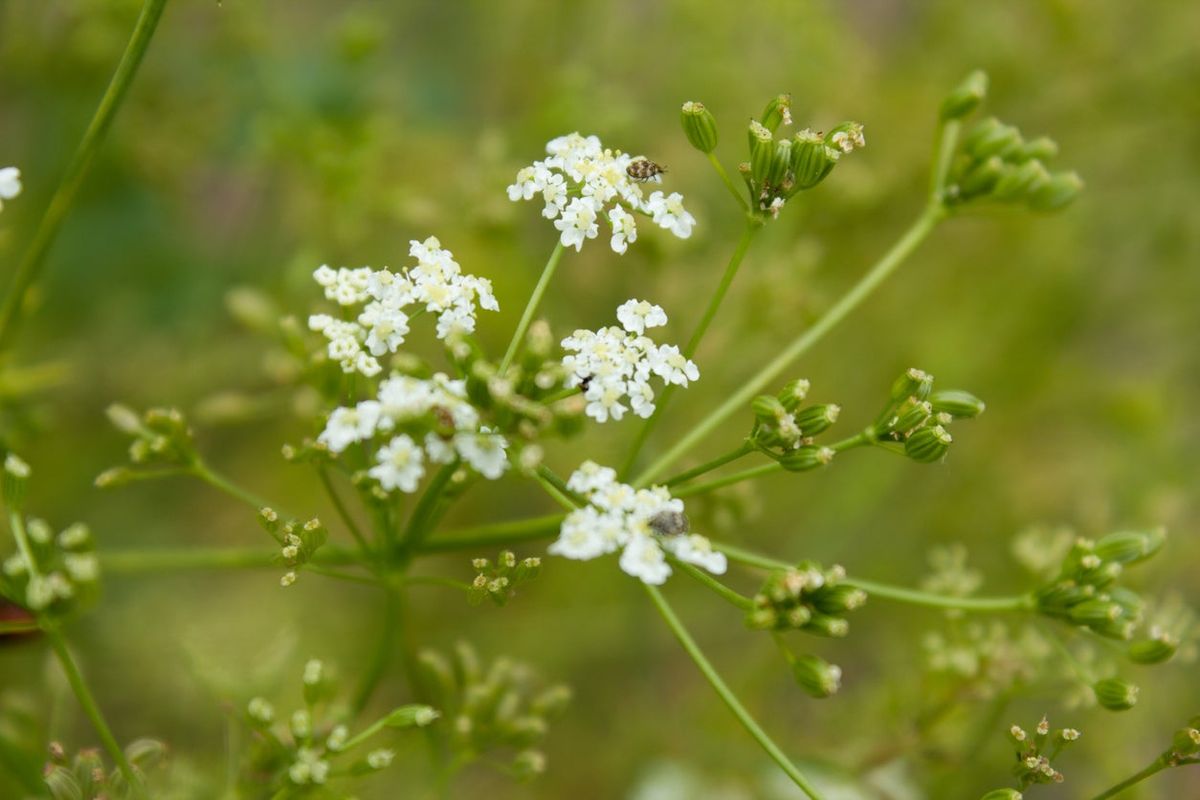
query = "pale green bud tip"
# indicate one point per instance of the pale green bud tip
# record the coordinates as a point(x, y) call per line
point(1115, 694)
point(966, 97)
point(699, 126)
point(14, 466)
point(378, 759)
point(778, 112)
point(261, 710)
point(407, 716)
point(124, 419)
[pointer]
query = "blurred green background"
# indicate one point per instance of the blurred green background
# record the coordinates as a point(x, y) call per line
point(264, 138)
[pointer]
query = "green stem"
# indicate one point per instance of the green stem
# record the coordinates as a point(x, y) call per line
point(737, 599)
point(17, 524)
point(88, 703)
point(64, 195)
point(726, 694)
point(8, 627)
point(419, 523)
point(436, 580)
point(179, 560)
point(943, 156)
point(727, 480)
point(890, 592)
point(557, 494)
point(740, 399)
point(498, 534)
point(1155, 766)
point(223, 484)
point(729, 184)
point(531, 307)
point(343, 512)
point(383, 651)
point(695, 472)
point(731, 270)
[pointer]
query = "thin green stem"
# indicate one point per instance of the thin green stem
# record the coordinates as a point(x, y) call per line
point(737, 599)
point(727, 480)
point(436, 580)
point(726, 694)
point(9, 627)
point(551, 489)
point(531, 307)
point(382, 654)
point(740, 399)
point(1153, 767)
point(499, 534)
point(695, 472)
point(223, 484)
point(714, 304)
point(92, 710)
point(343, 512)
point(68, 187)
point(729, 184)
point(419, 523)
point(184, 559)
point(943, 156)
point(17, 524)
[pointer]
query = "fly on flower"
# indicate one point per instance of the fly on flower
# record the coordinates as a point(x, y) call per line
point(643, 169)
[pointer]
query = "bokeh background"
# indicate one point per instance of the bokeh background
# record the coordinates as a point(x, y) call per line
point(264, 138)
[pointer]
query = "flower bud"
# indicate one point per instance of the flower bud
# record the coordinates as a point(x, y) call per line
point(816, 676)
point(927, 444)
point(812, 160)
point(956, 403)
point(1042, 148)
point(1153, 651)
point(980, 178)
point(1021, 181)
point(913, 383)
point(781, 161)
point(1129, 547)
point(1094, 611)
point(966, 97)
point(699, 126)
point(1058, 192)
point(15, 481)
point(761, 151)
point(1186, 741)
point(778, 112)
point(818, 418)
point(846, 137)
point(407, 716)
point(910, 416)
point(839, 599)
point(827, 625)
point(991, 137)
point(1002, 794)
point(768, 410)
point(793, 393)
point(1115, 694)
point(806, 458)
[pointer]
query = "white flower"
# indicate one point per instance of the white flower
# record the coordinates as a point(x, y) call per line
point(616, 364)
point(580, 181)
point(309, 767)
point(620, 517)
point(484, 451)
point(638, 315)
point(349, 425)
point(10, 184)
point(668, 212)
point(378, 759)
point(401, 465)
point(578, 222)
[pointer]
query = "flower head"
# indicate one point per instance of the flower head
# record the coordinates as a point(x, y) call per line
point(10, 184)
point(581, 183)
point(615, 364)
point(644, 524)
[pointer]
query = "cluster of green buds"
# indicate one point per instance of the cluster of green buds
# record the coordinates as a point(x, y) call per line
point(806, 597)
point(293, 757)
point(779, 166)
point(298, 542)
point(161, 438)
point(498, 580)
point(48, 573)
point(785, 429)
point(996, 163)
point(84, 776)
point(1085, 592)
point(1034, 753)
point(498, 713)
point(919, 417)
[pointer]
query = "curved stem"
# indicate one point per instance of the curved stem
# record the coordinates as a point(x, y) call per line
point(735, 598)
point(64, 196)
point(88, 703)
point(695, 472)
point(727, 480)
point(1155, 766)
point(223, 484)
point(531, 307)
point(731, 270)
point(343, 512)
point(740, 399)
point(729, 184)
point(726, 694)
point(423, 514)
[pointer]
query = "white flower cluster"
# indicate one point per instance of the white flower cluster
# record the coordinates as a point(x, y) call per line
point(436, 284)
point(10, 184)
point(615, 364)
point(642, 523)
point(400, 462)
point(582, 182)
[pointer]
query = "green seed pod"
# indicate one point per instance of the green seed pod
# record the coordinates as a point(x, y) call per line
point(1115, 694)
point(913, 383)
point(781, 161)
point(1020, 182)
point(956, 403)
point(817, 419)
point(910, 415)
point(991, 137)
point(846, 137)
point(768, 410)
point(1042, 148)
point(762, 151)
point(927, 444)
point(966, 97)
point(827, 625)
point(1130, 547)
point(839, 599)
point(777, 112)
point(1002, 794)
point(410, 715)
point(763, 619)
point(981, 178)
point(812, 160)
point(62, 784)
point(806, 458)
point(1095, 610)
point(1186, 741)
point(798, 616)
point(1153, 651)
point(816, 676)
point(1058, 192)
point(1120, 629)
point(793, 393)
point(699, 126)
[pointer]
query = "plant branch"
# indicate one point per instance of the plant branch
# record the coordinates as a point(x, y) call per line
point(531, 307)
point(729, 184)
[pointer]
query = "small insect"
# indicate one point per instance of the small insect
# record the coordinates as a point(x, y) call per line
point(643, 169)
point(670, 523)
